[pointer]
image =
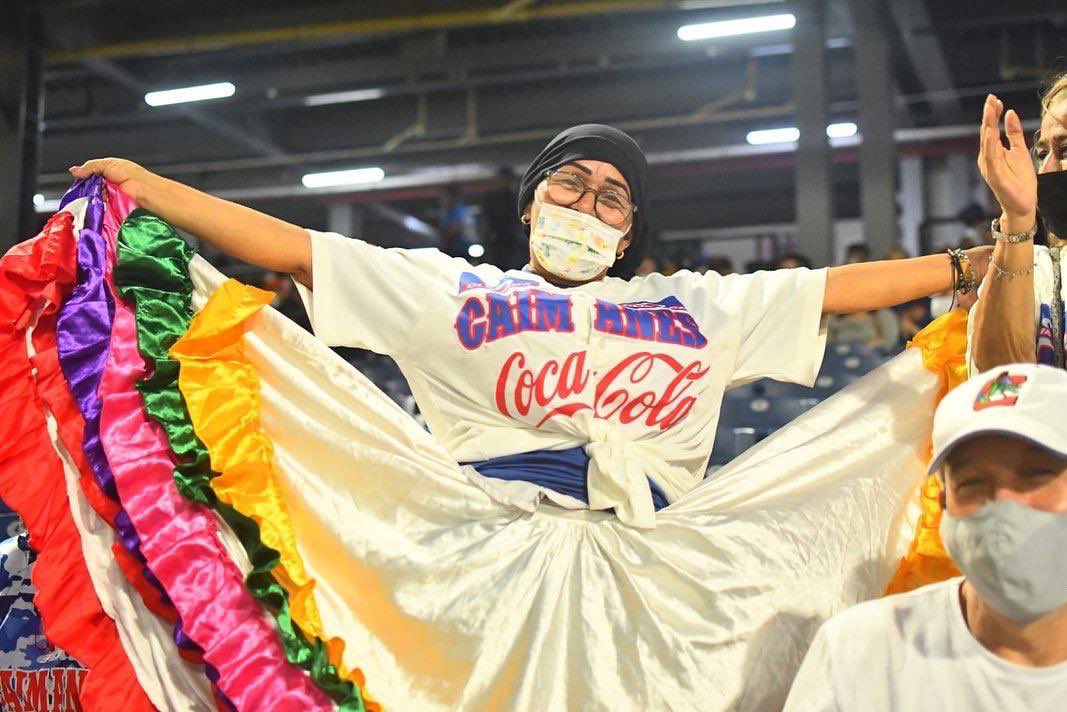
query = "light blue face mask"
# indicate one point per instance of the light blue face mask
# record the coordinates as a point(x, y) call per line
point(1015, 556)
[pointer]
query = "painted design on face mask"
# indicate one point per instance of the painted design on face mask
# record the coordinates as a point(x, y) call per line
point(572, 245)
point(1001, 391)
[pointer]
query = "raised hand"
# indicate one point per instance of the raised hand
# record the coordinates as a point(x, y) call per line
point(126, 174)
point(1009, 172)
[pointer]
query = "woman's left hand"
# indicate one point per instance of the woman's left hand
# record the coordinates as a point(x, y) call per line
point(1009, 172)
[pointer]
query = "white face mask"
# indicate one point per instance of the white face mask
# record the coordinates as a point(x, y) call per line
point(1013, 555)
point(572, 244)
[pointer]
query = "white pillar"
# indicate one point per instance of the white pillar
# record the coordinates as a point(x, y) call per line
point(345, 219)
point(911, 199)
point(949, 189)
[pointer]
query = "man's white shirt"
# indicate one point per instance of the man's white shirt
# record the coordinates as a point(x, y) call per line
point(913, 651)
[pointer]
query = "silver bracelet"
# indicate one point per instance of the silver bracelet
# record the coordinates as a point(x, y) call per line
point(1000, 273)
point(1015, 238)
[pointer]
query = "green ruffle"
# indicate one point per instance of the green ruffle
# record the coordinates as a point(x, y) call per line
point(153, 270)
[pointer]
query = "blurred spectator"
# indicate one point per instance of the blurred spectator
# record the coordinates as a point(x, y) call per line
point(857, 252)
point(670, 266)
point(647, 266)
point(879, 329)
point(996, 638)
point(759, 265)
point(505, 241)
point(912, 318)
point(976, 225)
point(896, 252)
point(721, 264)
point(457, 234)
point(792, 260)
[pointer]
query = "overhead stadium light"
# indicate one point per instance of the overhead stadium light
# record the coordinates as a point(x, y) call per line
point(343, 97)
point(43, 205)
point(729, 28)
point(790, 134)
point(349, 177)
point(203, 92)
point(763, 136)
point(842, 130)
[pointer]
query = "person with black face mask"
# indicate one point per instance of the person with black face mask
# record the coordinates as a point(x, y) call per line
point(1024, 279)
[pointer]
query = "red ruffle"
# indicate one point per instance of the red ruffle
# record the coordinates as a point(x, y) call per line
point(39, 274)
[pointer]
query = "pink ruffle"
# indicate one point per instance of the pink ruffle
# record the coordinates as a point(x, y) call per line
point(180, 541)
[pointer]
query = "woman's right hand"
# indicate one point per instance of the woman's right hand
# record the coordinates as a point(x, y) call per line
point(1009, 172)
point(127, 175)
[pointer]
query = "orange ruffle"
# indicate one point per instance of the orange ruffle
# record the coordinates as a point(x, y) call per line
point(944, 352)
point(221, 391)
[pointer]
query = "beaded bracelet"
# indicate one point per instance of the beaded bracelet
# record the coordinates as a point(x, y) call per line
point(964, 280)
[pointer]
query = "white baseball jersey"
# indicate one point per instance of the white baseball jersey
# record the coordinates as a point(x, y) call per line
point(632, 370)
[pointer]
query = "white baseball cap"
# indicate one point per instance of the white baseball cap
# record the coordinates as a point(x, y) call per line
point(1022, 400)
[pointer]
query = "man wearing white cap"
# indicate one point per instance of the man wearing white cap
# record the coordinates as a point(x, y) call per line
point(996, 638)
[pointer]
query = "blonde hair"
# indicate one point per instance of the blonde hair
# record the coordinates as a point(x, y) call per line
point(1056, 88)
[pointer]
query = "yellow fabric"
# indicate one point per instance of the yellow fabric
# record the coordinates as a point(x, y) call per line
point(944, 347)
point(221, 391)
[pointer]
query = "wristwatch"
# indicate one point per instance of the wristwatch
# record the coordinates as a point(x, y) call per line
point(1013, 238)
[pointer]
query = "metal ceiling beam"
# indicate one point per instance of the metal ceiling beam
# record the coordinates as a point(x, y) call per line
point(363, 129)
point(134, 144)
point(512, 8)
point(927, 59)
point(240, 135)
point(363, 153)
point(310, 73)
point(908, 140)
point(489, 15)
point(112, 120)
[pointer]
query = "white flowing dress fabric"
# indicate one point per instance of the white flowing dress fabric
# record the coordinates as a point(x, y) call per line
point(449, 599)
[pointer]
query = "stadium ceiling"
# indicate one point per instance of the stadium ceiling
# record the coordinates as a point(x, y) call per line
point(437, 92)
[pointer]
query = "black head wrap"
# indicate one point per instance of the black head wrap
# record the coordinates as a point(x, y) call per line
point(596, 142)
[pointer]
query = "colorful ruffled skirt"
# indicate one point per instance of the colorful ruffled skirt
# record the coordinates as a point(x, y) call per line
point(228, 515)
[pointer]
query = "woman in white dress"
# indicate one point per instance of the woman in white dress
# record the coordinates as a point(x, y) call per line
point(551, 545)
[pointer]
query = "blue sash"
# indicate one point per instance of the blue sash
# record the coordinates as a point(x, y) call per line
point(563, 471)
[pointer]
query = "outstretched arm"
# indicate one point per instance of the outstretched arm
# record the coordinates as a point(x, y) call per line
point(239, 231)
point(868, 286)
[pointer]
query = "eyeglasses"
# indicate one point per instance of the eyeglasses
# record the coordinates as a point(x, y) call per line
point(612, 207)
